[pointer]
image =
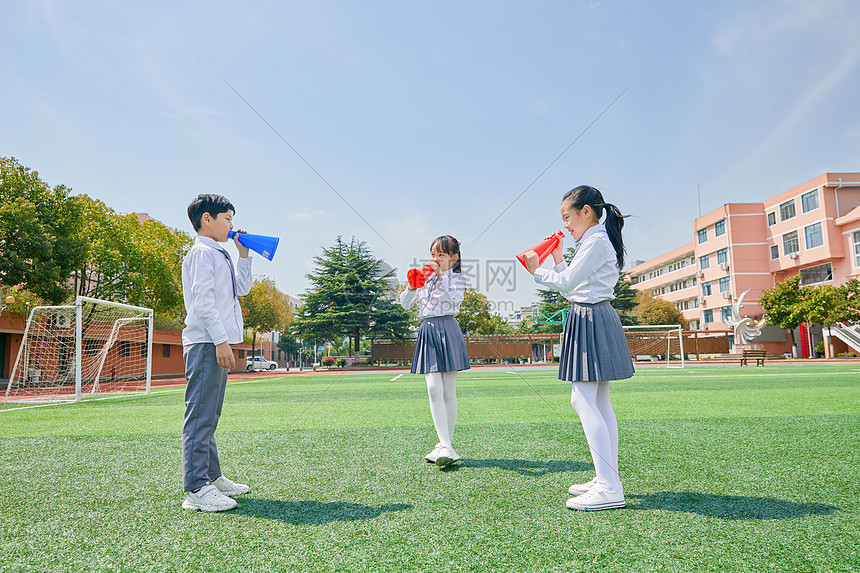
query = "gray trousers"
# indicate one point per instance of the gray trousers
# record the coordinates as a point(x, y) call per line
point(204, 396)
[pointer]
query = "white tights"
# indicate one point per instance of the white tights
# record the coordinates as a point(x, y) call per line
point(590, 400)
point(442, 389)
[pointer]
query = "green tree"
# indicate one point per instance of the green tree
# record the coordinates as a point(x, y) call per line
point(625, 300)
point(132, 262)
point(782, 306)
point(851, 290)
point(651, 310)
point(474, 310)
point(826, 305)
point(475, 316)
point(40, 233)
point(265, 308)
point(350, 295)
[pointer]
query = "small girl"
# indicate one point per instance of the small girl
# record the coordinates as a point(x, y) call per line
point(594, 349)
point(441, 348)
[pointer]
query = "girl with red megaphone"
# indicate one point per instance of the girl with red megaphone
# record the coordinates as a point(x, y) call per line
point(594, 349)
point(440, 352)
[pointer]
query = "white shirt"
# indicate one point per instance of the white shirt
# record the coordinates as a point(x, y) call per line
point(592, 274)
point(214, 314)
point(438, 297)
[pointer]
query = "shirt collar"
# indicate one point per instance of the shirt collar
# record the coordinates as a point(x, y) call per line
point(209, 242)
point(598, 228)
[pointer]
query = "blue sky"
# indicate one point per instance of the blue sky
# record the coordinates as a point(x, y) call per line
point(430, 118)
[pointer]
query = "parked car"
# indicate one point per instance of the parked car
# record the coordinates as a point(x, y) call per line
point(260, 363)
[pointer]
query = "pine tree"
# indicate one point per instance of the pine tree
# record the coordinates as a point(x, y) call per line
point(351, 295)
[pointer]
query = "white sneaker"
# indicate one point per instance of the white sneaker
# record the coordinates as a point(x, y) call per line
point(431, 457)
point(580, 488)
point(208, 498)
point(447, 456)
point(230, 488)
point(598, 498)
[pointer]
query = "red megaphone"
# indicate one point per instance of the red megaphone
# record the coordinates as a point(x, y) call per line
point(417, 277)
point(544, 248)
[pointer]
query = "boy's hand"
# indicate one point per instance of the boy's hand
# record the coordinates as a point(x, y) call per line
point(224, 354)
point(243, 250)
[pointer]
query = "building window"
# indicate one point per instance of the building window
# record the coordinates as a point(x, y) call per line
point(814, 237)
point(774, 252)
point(706, 289)
point(814, 275)
point(790, 244)
point(725, 313)
point(786, 211)
point(720, 228)
point(722, 256)
point(124, 348)
point(725, 284)
point(704, 262)
point(91, 347)
point(165, 351)
point(771, 219)
point(856, 236)
point(709, 316)
point(703, 235)
point(809, 201)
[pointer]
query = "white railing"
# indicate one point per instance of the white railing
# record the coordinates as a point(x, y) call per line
point(849, 334)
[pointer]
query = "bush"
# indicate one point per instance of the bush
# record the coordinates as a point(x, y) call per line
point(341, 362)
point(327, 361)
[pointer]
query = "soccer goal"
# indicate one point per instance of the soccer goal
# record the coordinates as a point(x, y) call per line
point(71, 352)
point(663, 343)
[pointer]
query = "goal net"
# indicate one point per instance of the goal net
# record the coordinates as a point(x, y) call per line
point(662, 343)
point(76, 351)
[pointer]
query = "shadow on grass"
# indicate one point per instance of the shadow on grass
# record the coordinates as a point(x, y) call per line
point(523, 467)
point(307, 512)
point(728, 506)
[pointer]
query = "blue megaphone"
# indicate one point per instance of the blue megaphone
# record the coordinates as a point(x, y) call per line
point(260, 244)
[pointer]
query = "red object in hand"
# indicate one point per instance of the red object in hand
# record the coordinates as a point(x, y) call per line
point(417, 277)
point(543, 249)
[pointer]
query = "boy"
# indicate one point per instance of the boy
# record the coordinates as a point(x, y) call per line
point(210, 287)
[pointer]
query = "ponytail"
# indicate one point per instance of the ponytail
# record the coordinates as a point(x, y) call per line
point(586, 195)
point(614, 223)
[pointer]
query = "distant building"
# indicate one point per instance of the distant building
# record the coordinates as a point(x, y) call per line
point(812, 230)
point(525, 313)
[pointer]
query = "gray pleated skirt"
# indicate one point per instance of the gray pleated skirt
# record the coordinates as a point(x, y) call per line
point(441, 346)
point(594, 347)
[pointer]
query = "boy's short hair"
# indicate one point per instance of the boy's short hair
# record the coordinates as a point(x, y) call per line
point(208, 203)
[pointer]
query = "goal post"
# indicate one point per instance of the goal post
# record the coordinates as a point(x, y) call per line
point(657, 343)
point(75, 351)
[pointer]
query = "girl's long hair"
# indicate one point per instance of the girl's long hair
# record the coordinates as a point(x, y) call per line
point(450, 246)
point(585, 195)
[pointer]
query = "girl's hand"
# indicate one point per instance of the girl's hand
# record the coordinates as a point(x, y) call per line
point(531, 259)
point(558, 252)
point(436, 269)
point(243, 250)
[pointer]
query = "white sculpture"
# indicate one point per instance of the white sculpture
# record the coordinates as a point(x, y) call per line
point(745, 328)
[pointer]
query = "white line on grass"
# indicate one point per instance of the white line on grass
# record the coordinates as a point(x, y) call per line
point(396, 377)
point(129, 395)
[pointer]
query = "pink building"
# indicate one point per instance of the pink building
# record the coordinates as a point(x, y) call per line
point(812, 230)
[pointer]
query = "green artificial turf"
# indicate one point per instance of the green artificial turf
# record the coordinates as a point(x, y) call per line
point(724, 469)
